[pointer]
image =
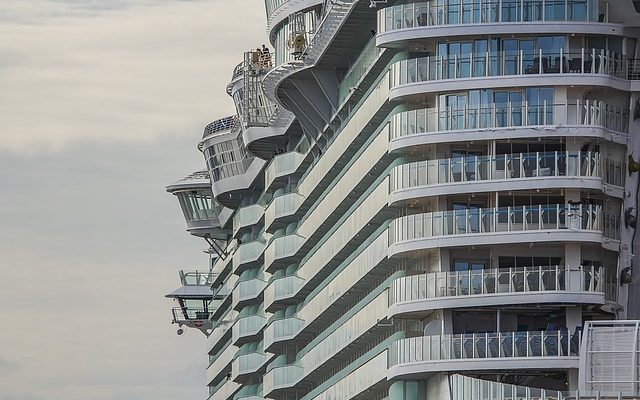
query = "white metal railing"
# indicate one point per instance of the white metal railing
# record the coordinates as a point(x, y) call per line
point(583, 217)
point(507, 166)
point(183, 314)
point(495, 281)
point(559, 343)
point(509, 115)
point(468, 388)
point(474, 65)
point(454, 12)
point(199, 278)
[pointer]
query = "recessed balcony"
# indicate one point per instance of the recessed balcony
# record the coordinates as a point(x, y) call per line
point(246, 217)
point(282, 165)
point(246, 364)
point(247, 256)
point(247, 328)
point(520, 171)
point(508, 120)
point(499, 287)
point(282, 377)
point(418, 20)
point(247, 291)
point(418, 357)
point(279, 290)
point(562, 67)
point(503, 225)
point(281, 251)
point(281, 207)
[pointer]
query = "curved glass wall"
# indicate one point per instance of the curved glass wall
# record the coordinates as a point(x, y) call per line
point(507, 166)
point(227, 158)
point(506, 115)
point(454, 12)
point(288, 31)
point(586, 217)
point(198, 206)
point(504, 63)
point(495, 281)
point(559, 343)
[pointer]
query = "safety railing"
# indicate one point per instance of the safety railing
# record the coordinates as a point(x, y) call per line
point(282, 288)
point(468, 388)
point(248, 363)
point(475, 65)
point(190, 314)
point(454, 12)
point(198, 278)
point(247, 326)
point(282, 247)
point(281, 329)
point(247, 290)
point(248, 252)
point(508, 115)
point(358, 69)
point(507, 166)
point(560, 343)
point(496, 281)
point(246, 216)
point(281, 377)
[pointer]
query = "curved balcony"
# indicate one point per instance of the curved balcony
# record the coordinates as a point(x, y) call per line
point(542, 170)
point(281, 377)
point(248, 291)
point(281, 207)
point(246, 329)
point(504, 225)
point(538, 350)
point(280, 290)
point(247, 255)
point(415, 20)
point(508, 120)
point(508, 69)
point(497, 287)
point(281, 330)
point(281, 251)
point(279, 10)
point(245, 364)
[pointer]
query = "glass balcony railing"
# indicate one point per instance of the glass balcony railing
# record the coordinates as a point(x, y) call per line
point(246, 216)
point(248, 363)
point(507, 166)
point(197, 278)
point(358, 69)
point(282, 288)
point(247, 290)
point(286, 163)
point(282, 329)
point(476, 65)
point(248, 326)
point(496, 345)
point(454, 12)
point(281, 377)
point(439, 285)
point(509, 115)
point(468, 388)
point(248, 252)
point(282, 206)
point(583, 217)
point(282, 247)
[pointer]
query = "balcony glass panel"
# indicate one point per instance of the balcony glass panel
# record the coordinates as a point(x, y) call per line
point(248, 326)
point(559, 343)
point(454, 12)
point(281, 247)
point(507, 166)
point(282, 329)
point(358, 69)
point(508, 115)
point(248, 363)
point(246, 216)
point(583, 217)
point(476, 65)
point(282, 288)
point(281, 377)
point(250, 251)
point(494, 281)
point(248, 289)
point(227, 158)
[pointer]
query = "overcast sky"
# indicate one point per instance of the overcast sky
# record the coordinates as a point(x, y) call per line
point(102, 103)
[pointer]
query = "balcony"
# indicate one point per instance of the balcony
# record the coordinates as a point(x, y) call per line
point(537, 350)
point(280, 330)
point(281, 250)
point(506, 172)
point(498, 287)
point(246, 217)
point(285, 164)
point(192, 317)
point(563, 67)
point(247, 328)
point(281, 289)
point(246, 291)
point(247, 256)
point(453, 17)
point(281, 207)
point(478, 226)
point(250, 363)
point(281, 377)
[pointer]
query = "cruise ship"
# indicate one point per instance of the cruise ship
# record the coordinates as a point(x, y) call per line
point(423, 201)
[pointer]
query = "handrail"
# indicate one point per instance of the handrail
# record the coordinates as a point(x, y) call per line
point(556, 343)
point(552, 278)
point(505, 63)
point(197, 278)
point(506, 167)
point(509, 115)
point(190, 314)
point(452, 12)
